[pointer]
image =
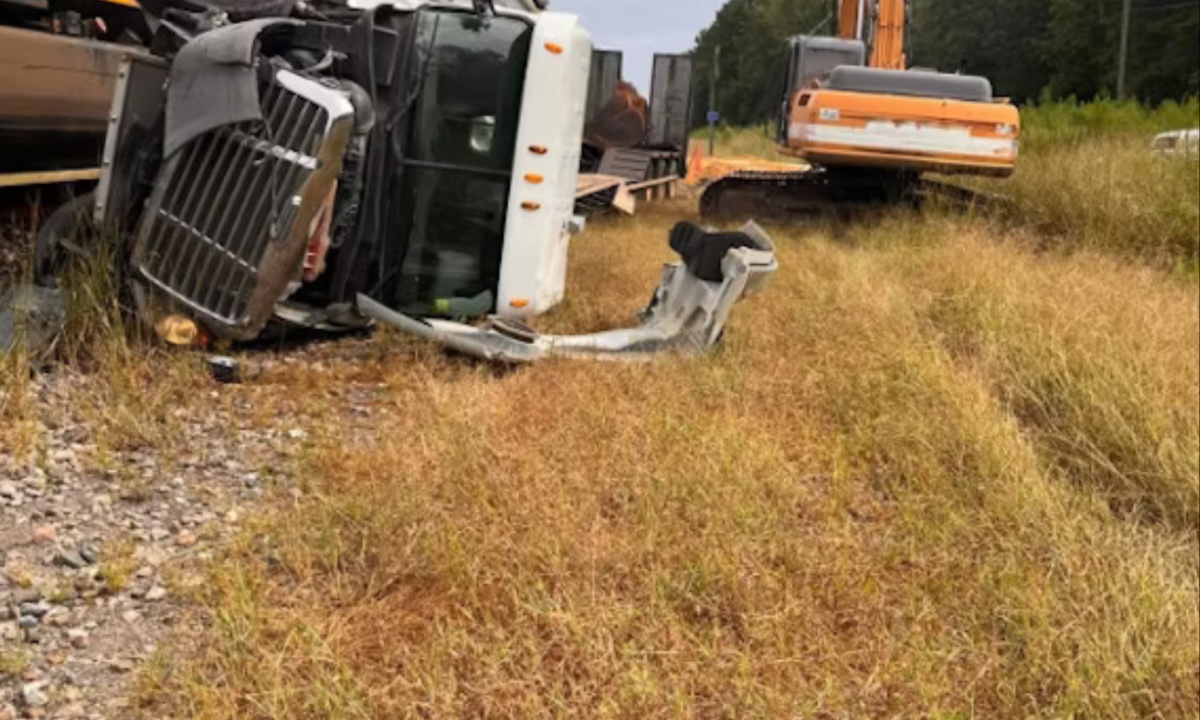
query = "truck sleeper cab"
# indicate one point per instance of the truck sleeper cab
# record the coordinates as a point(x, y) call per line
point(425, 158)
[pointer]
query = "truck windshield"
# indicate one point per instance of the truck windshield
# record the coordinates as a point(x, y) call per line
point(470, 77)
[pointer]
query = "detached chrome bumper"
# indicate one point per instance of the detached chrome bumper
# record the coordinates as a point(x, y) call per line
point(688, 313)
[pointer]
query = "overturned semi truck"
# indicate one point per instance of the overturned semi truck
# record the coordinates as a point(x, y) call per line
point(344, 165)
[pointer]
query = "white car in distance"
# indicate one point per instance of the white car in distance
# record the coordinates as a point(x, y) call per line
point(1184, 143)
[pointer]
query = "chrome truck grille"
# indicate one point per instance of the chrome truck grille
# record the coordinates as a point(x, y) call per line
point(225, 230)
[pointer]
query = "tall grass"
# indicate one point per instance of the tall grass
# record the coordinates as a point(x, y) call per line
point(1108, 193)
point(16, 362)
point(1054, 123)
point(1087, 179)
point(934, 478)
point(131, 388)
point(1100, 383)
point(757, 141)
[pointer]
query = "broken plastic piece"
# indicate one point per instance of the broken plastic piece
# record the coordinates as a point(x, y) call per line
point(687, 314)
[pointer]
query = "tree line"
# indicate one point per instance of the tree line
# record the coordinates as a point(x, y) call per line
point(1030, 49)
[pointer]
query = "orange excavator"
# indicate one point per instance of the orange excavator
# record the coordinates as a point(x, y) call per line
point(869, 126)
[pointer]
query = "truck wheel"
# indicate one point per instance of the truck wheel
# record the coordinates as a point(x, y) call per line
point(64, 235)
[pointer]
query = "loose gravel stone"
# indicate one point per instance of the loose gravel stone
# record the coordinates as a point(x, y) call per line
point(33, 695)
point(71, 559)
point(89, 553)
point(89, 536)
point(121, 665)
point(37, 609)
point(78, 638)
point(45, 534)
point(27, 595)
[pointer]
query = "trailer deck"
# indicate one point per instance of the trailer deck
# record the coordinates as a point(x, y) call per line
point(54, 105)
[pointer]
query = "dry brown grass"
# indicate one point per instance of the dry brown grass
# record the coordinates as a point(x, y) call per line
point(13, 662)
point(1109, 194)
point(15, 363)
point(758, 141)
point(929, 475)
point(125, 387)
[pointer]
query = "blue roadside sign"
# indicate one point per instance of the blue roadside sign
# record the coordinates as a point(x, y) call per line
point(714, 117)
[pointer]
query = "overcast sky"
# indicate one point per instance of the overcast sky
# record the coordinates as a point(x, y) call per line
point(641, 28)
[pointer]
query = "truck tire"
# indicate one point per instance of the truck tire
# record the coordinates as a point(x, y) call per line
point(59, 238)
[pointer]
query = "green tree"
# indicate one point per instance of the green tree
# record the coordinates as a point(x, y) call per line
point(752, 35)
point(995, 39)
point(1027, 48)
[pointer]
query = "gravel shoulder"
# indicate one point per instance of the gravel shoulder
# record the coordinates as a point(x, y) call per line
point(100, 547)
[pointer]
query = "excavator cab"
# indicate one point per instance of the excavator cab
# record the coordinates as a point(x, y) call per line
point(809, 61)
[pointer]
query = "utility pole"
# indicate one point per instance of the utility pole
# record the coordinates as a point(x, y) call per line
point(1123, 63)
point(713, 116)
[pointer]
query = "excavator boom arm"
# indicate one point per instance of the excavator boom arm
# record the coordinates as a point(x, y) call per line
point(880, 24)
point(851, 15)
point(887, 48)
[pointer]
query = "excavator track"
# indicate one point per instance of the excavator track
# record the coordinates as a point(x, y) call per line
point(959, 197)
point(819, 193)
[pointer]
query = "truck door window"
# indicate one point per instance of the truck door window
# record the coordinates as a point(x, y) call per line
point(459, 155)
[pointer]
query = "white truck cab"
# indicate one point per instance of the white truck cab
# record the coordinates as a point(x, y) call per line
point(545, 162)
point(438, 178)
point(405, 165)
